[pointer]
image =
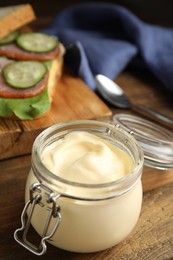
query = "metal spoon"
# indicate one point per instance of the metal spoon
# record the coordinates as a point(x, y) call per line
point(111, 92)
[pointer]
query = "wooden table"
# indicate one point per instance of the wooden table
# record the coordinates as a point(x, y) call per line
point(153, 236)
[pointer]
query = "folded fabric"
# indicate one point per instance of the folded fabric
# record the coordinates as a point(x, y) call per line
point(104, 38)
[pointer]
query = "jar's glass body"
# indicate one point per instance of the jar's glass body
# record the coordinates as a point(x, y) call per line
point(94, 217)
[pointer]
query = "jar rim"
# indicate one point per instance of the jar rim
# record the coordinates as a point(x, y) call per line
point(36, 158)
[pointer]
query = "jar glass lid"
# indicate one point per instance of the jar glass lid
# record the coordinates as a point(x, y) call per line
point(155, 140)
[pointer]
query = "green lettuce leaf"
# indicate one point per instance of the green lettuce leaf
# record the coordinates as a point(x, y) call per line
point(26, 108)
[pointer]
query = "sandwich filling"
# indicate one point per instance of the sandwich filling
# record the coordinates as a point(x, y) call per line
point(26, 77)
point(14, 52)
point(8, 90)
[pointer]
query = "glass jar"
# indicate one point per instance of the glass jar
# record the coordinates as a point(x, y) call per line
point(76, 216)
point(155, 140)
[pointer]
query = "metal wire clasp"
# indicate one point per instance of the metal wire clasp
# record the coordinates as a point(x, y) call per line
point(38, 191)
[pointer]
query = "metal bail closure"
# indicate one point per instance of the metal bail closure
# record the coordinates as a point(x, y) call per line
point(37, 192)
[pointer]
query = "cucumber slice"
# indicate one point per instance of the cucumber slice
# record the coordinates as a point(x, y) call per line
point(11, 37)
point(37, 42)
point(24, 74)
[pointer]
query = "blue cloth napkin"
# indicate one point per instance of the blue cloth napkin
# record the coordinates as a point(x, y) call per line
point(104, 38)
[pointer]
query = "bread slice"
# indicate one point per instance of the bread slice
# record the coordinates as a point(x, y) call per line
point(14, 17)
point(55, 73)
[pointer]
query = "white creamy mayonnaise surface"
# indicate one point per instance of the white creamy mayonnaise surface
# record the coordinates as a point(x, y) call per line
point(86, 158)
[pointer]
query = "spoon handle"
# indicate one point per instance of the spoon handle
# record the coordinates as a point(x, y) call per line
point(154, 115)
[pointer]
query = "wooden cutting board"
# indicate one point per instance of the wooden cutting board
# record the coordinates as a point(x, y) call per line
point(74, 100)
point(154, 178)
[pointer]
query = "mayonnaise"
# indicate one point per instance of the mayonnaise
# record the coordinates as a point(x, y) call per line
point(96, 183)
point(86, 158)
